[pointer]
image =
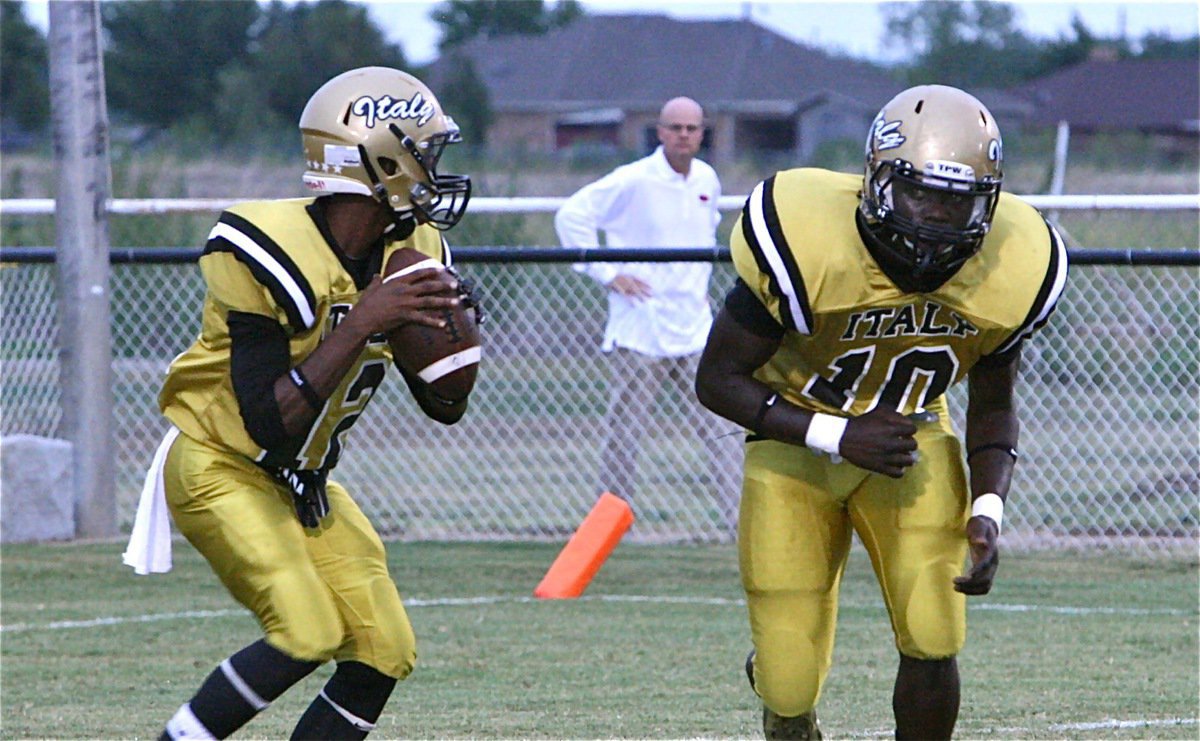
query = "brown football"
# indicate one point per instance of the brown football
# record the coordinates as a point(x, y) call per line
point(446, 358)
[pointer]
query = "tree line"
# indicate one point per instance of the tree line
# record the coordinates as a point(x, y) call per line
point(242, 70)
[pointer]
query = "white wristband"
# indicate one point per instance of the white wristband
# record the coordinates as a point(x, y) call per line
point(990, 506)
point(825, 433)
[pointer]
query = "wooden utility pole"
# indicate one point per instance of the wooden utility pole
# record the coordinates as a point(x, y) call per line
point(79, 120)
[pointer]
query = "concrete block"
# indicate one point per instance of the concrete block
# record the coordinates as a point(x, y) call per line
point(36, 495)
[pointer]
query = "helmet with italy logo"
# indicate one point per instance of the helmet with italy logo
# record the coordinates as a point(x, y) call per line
point(380, 132)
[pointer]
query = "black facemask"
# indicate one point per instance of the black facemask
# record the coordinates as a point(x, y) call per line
point(888, 249)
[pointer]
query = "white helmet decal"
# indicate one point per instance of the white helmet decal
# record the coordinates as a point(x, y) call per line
point(995, 150)
point(887, 134)
point(383, 108)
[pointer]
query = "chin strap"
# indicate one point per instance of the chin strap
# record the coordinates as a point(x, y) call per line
point(377, 188)
point(403, 224)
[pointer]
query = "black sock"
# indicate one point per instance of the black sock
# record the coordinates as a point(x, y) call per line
point(348, 706)
point(239, 688)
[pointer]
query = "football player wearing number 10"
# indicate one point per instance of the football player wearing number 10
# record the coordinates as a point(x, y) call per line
point(293, 345)
point(860, 300)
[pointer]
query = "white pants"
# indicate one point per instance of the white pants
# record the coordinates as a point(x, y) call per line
point(635, 380)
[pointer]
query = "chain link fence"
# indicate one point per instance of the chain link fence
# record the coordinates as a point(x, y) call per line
point(1108, 400)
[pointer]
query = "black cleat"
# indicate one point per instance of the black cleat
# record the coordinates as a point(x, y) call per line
point(750, 669)
point(800, 728)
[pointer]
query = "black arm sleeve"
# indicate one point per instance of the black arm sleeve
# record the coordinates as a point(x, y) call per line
point(750, 314)
point(258, 356)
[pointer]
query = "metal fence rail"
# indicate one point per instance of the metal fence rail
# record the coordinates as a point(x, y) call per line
point(514, 255)
point(1108, 404)
point(528, 204)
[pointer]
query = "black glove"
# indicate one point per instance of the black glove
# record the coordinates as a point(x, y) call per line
point(470, 293)
point(308, 494)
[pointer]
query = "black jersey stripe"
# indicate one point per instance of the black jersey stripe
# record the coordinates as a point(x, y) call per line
point(789, 259)
point(1048, 294)
point(269, 265)
point(768, 243)
point(751, 215)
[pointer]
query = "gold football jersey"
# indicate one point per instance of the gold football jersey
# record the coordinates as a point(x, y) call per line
point(271, 258)
point(855, 341)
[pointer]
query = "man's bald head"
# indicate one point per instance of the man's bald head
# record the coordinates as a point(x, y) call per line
point(681, 108)
point(680, 131)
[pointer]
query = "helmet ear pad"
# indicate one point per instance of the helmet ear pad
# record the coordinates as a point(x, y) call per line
point(380, 132)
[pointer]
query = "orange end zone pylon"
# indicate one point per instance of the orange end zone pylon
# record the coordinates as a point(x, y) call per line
point(586, 551)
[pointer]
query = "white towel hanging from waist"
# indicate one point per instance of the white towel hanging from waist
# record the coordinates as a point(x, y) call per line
point(149, 549)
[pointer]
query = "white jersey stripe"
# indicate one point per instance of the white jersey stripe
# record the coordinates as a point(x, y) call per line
point(770, 252)
point(1060, 280)
point(270, 264)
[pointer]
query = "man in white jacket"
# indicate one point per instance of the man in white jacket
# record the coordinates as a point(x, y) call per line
point(658, 313)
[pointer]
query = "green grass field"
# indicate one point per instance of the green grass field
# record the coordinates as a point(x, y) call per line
point(1065, 647)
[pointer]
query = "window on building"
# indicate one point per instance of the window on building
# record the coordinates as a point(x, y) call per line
point(766, 134)
point(567, 136)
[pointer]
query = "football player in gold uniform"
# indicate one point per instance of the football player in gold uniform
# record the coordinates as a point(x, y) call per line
point(292, 348)
point(860, 300)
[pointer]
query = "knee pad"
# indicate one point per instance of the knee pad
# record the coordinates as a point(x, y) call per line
point(793, 637)
point(789, 679)
point(929, 644)
point(396, 658)
point(387, 643)
point(317, 642)
point(305, 626)
point(933, 624)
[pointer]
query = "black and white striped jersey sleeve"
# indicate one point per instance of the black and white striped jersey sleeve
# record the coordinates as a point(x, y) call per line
point(1053, 282)
point(767, 242)
point(269, 264)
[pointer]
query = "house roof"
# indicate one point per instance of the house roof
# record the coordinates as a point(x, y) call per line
point(637, 62)
point(1153, 95)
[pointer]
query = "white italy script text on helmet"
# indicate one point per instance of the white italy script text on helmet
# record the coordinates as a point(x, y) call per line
point(380, 132)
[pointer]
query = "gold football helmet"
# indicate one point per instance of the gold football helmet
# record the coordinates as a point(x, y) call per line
point(380, 132)
point(932, 181)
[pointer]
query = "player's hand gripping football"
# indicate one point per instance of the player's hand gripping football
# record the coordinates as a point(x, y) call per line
point(415, 298)
point(882, 440)
point(470, 293)
point(985, 557)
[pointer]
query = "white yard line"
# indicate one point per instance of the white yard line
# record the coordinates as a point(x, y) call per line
point(1104, 724)
point(501, 599)
point(1100, 725)
point(715, 601)
point(105, 621)
point(1025, 732)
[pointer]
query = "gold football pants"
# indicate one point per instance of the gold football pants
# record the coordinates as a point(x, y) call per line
point(797, 511)
point(319, 594)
